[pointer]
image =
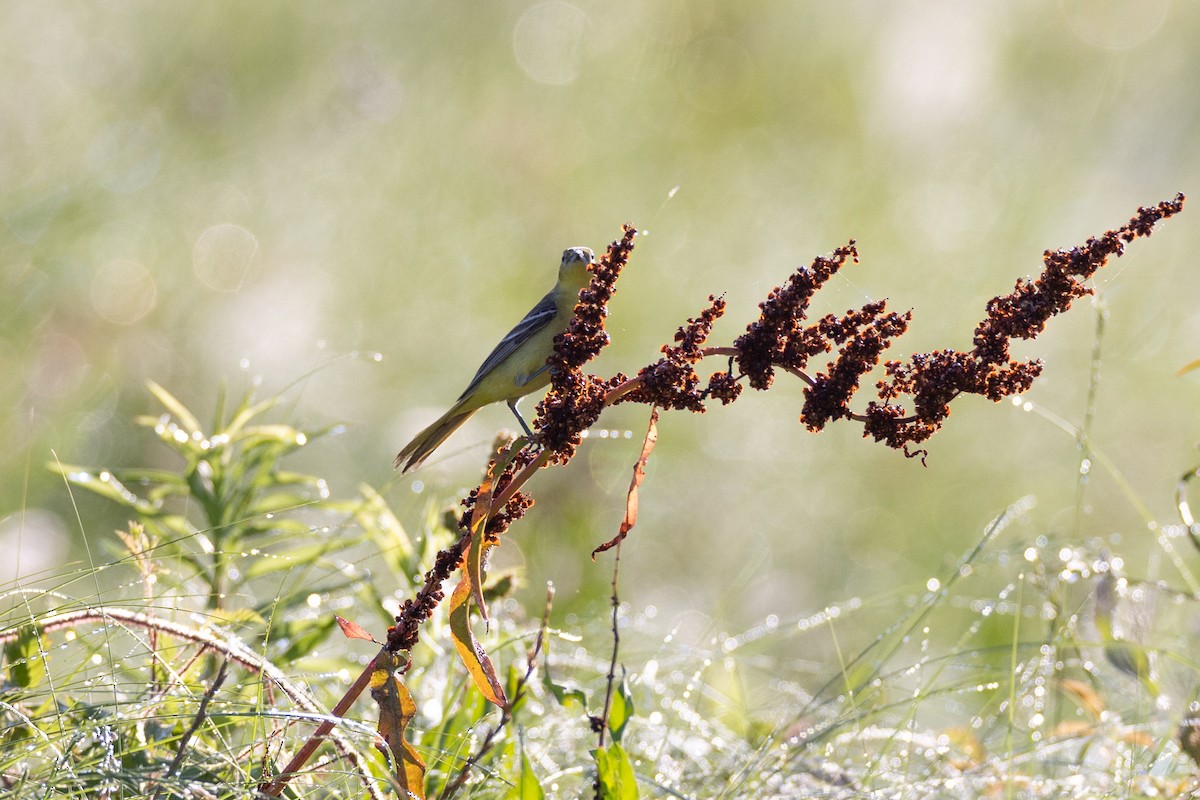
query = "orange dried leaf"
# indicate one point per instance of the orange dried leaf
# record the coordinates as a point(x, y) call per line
point(396, 710)
point(631, 500)
point(478, 665)
point(352, 630)
point(476, 561)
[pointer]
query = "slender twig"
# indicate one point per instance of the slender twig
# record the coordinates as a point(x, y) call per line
point(616, 635)
point(326, 728)
point(201, 715)
point(501, 498)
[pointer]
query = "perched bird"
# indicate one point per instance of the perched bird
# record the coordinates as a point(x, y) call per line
point(518, 364)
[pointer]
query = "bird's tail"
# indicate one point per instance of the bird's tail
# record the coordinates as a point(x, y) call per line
point(430, 439)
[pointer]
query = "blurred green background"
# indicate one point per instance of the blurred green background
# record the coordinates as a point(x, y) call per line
point(350, 203)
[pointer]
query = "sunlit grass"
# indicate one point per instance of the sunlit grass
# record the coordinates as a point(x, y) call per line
point(1029, 667)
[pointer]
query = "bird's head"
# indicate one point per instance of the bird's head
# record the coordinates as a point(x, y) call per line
point(577, 255)
point(575, 267)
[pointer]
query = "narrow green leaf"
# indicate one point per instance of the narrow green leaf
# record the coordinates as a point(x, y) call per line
point(236, 617)
point(304, 555)
point(274, 502)
point(185, 418)
point(565, 695)
point(303, 636)
point(375, 517)
point(105, 484)
point(244, 415)
point(527, 787)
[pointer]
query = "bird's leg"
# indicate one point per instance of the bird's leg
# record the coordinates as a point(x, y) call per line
point(512, 404)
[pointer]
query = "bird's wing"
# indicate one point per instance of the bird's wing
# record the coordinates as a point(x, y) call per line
point(537, 318)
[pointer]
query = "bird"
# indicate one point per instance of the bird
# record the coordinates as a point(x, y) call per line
point(517, 365)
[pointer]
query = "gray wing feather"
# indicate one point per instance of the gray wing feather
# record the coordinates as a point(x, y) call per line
point(537, 318)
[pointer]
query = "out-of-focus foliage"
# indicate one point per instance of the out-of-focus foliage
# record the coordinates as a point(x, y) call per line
point(356, 200)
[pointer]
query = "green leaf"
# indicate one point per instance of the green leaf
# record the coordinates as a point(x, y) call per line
point(620, 710)
point(25, 658)
point(614, 772)
point(302, 556)
point(177, 409)
point(274, 502)
point(246, 413)
point(527, 787)
point(565, 695)
point(375, 517)
point(105, 484)
point(303, 636)
point(236, 618)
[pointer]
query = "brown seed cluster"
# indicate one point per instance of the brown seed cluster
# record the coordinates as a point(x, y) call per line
point(576, 398)
point(861, 337)
point(779, 338)
point(416, 610)
point(934, 379)
point(499, 522)
point(672, 382)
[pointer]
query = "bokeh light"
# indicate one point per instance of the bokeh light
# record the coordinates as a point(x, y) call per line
point(229, 195)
